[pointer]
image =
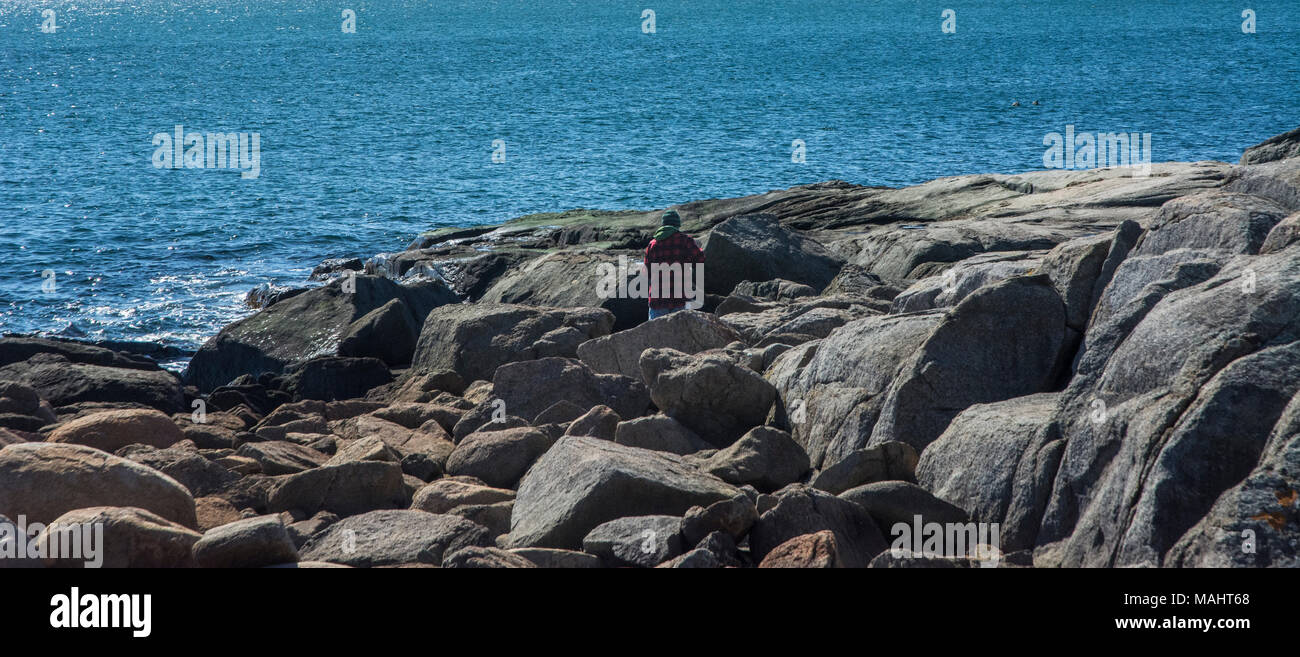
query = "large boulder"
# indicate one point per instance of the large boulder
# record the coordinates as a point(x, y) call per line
point(795, 322)
point(962, 278)
point(855, 281)
point(1176, 318)
point(660, 433)
point(1257, 522)
point(1005, 340)
point(331, 378)
point(600, 422)
point(200, 475)
point(687, 331)
point(16, 349)
point(495, 517)
point(569, 279)
point(766, 458)
point(1177, 456)
point(473, 340)
point(1171, 410)
point(388, 333)
point(907, 231)
point(62, 382)
point(281, 457)
point(816, 550)
point(710, 393)
point(498, 458)
point(636, 541)
point(1138, 285)
point(831, 391)
point(389, 538)
point(582, 482)
point(800, 510)
point(893, 502)
point(733, 517)
point(1278, 181)
point(303, 327)
point(996, 462)
point(471, 272)
point(1278, 147)
point(131, 538)
point(426, 387)
point(21, 408)
point(415, 415)
point(906, 251)
point(561, 412)
point(429, 439)
point(1214, 220)
point(1283, 235)
point(489, 415)
point(343, 488)
point(214, 512)
point(249, 543)
point(43, 373)
point(756, 247)
point(530, 387)
point(888, 461)
point(113, 430)
point(370, 448)
point(247, 396)
point(45, 480)
point(448, 493)
point(1081, 268)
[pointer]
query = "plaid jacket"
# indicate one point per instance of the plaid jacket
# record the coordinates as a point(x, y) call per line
point(678, 247)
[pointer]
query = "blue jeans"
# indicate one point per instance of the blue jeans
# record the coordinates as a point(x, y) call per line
point(660, 312)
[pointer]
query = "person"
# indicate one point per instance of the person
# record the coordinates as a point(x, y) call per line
point(671, 246)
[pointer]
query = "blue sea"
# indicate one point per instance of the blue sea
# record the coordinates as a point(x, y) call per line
point(368, 138)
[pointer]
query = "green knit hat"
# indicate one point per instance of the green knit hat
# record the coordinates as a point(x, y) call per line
point(671, 218)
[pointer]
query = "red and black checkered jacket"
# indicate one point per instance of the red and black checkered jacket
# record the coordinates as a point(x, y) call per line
point(678, 247)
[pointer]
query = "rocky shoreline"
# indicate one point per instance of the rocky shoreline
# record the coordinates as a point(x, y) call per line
point(1103, 369)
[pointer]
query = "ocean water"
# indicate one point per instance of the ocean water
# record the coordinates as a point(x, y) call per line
point(368, 138)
